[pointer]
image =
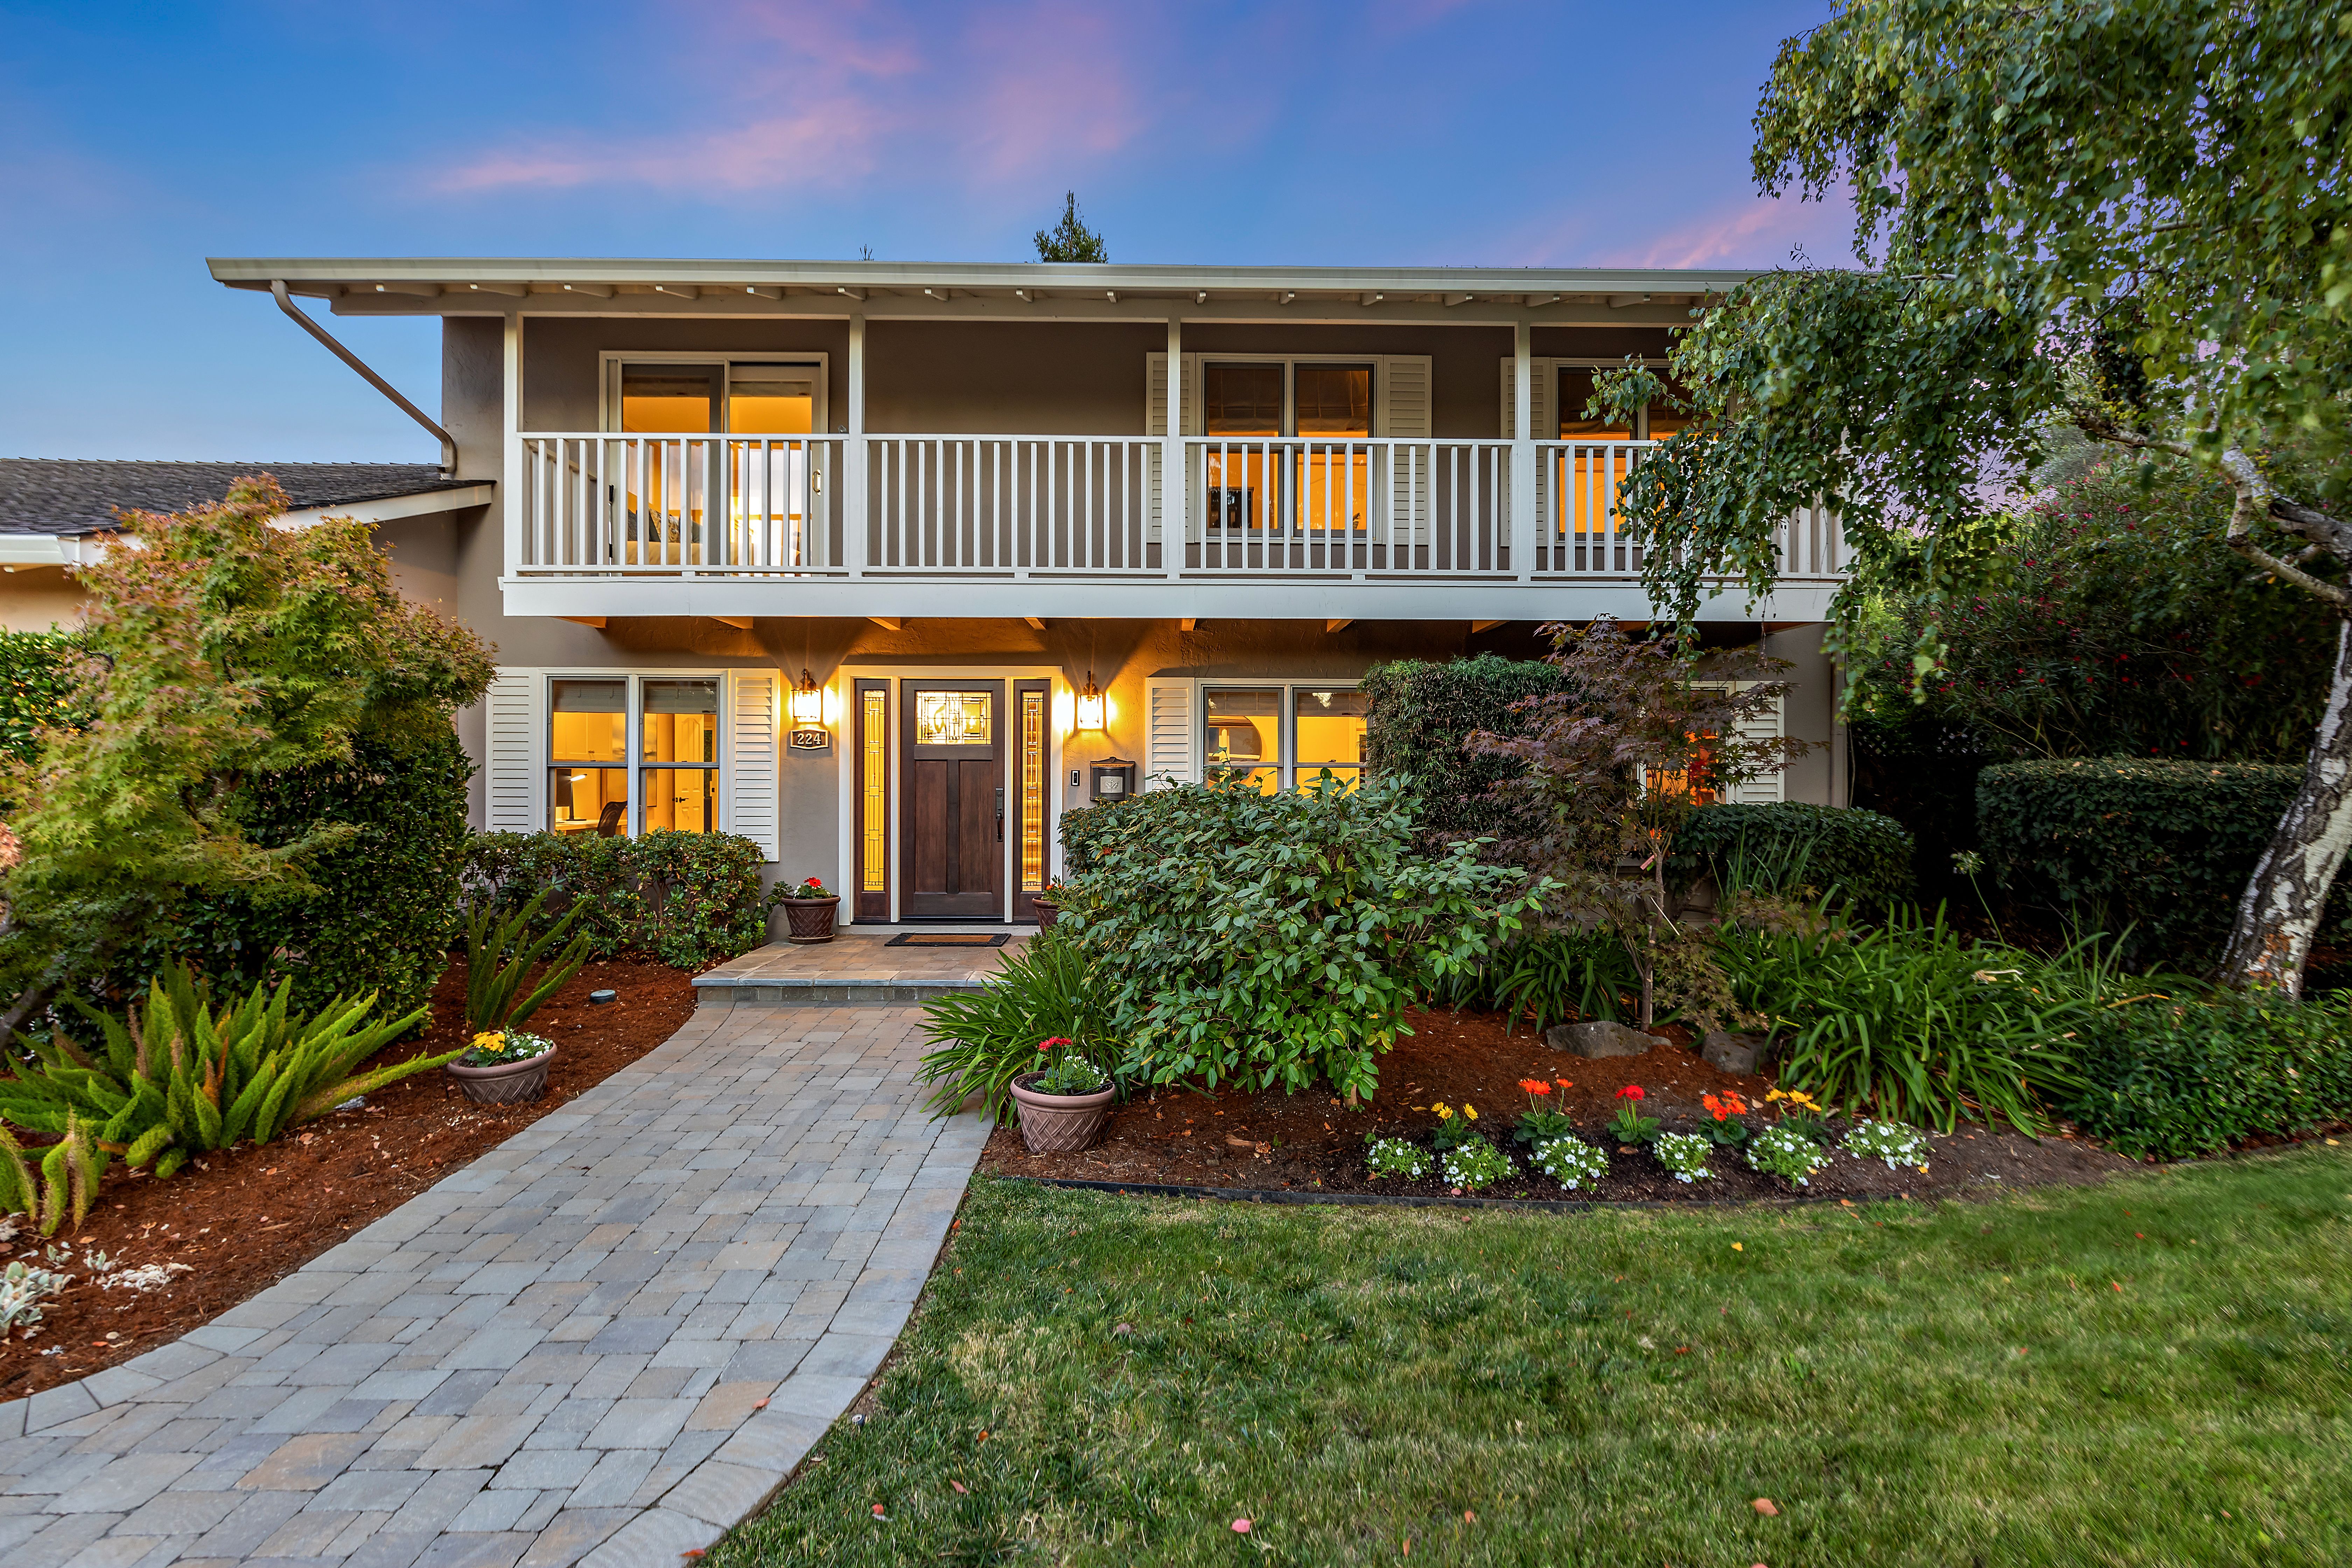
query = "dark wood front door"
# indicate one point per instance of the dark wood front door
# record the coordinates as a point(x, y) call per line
point(952, 805)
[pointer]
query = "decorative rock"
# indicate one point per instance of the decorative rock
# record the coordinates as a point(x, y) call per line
point(1731, 1053)
point(599, 998)
point(1600, 1039)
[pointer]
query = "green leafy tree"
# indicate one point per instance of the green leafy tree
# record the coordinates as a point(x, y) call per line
point(1071, 240)
point(2129, 215)
point(221, 651)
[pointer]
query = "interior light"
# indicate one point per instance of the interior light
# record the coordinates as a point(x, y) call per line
point(808, 701)
point(1090, 705)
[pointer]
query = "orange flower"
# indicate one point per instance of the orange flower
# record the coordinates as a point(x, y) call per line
point(1564, 1084)
point(1535, 1085)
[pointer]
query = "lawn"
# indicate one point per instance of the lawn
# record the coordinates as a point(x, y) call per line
point(2157, 1370)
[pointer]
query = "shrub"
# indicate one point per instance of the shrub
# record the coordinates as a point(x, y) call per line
point(1787, 845)
point(37, 688)
point(1088, 829)
point(983, 1039)
point(1477, 1164)
point(1422, 712)
point(1784, 1151)
point(183, 1077)
point(1684, 1154)
point(2163, 848)
point(386, 904)
point(1573, 1162)
point(1923, 1025)
point(1395, 1157)
point(688, 899)
point(2181, 1078)
point(1895, 1145)
point(1278, 938)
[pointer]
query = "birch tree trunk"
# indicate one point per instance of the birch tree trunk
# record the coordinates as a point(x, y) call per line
point(2279, 914)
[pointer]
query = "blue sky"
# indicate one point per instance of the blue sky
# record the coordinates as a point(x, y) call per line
point(139, 139)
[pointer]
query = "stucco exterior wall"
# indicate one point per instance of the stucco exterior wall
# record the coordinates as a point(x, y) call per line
point(36, 598)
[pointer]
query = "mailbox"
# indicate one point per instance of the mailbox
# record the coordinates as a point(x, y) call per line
point(1113, 778)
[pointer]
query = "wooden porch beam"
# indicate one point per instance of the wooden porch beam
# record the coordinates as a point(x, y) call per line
point(1485, 626)
point(741, 622)
point(888, 623)
point(596, 621)
point(1338, 625)
point(1188, 623)
point(1036, 623)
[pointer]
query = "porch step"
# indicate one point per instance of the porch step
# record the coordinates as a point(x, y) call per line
point(755, 991)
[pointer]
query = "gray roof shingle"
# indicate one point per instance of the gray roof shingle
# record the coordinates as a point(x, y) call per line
point(70, 495)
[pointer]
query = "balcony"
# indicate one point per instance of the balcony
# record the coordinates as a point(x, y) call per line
point(1004, 525)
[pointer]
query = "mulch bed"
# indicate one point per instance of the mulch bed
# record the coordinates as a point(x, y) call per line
point(244, 1219)
point(1312, 1142)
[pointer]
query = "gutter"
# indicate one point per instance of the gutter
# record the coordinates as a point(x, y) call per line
point(448, 442)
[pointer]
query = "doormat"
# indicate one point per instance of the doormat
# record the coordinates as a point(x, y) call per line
point(949, 939)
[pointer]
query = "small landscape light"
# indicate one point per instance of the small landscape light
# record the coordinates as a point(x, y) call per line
point(600, 998)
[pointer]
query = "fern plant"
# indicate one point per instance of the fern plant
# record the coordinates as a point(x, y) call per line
point(499, 957)
point(179, 1078)
point(983, 1039)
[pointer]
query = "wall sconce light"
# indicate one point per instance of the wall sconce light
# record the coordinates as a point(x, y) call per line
point(1090, 704)
point(809, 733)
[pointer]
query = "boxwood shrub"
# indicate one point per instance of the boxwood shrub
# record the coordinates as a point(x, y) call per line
point(1787, 845)
point(2196, 1076)
point(687, 899)
point(2164, 847)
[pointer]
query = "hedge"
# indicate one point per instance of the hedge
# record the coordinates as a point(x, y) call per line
point(387, 902)
point(1422, 712)
point(33, 687)
point(2163, 847)
point(1864, 856)
point(2197, 1076)
point(688, 899)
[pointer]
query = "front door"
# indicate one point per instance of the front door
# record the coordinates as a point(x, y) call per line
point(951, 807)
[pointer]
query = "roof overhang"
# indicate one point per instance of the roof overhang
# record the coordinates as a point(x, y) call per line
point(431, 286)
point(83, 549)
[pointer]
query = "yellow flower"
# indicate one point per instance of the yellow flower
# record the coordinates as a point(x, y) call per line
point(1444, 1113)
point(1469, 1111)
point(490, 1040)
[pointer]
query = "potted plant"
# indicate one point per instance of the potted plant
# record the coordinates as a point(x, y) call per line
point(809, 912)
point(504, 1068)
point(1049, 904)
point(1063, 1100)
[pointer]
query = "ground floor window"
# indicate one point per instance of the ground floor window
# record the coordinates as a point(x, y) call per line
point(668, 725)
point(1281, 737)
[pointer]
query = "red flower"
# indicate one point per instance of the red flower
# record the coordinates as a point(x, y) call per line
point(1631, 1092)
point(1535, 1085)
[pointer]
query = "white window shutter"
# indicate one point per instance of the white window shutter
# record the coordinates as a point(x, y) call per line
point(1403, 393)
point(751, 758)
point(515, 733)
point(1543, 425)
point(1168, 738)
point(1765, 788)
point(1155, 421)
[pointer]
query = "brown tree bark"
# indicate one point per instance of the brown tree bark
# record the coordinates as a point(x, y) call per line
point(2279, 914)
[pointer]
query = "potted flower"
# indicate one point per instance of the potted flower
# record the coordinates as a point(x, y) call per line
point(1063, 1100)
point(504, 1067)
point(1049, 904)
point(808, 910)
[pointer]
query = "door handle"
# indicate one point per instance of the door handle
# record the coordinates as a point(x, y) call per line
point(1000, 814)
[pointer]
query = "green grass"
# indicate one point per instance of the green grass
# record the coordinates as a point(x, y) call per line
point(1951, 1386)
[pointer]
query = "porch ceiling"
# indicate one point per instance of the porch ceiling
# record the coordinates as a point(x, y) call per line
point(1012, 292)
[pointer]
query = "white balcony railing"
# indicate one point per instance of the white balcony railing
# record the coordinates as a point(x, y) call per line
point(1017, 507)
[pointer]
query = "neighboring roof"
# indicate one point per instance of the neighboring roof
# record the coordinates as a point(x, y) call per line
point(444, 285)
point(68, 496)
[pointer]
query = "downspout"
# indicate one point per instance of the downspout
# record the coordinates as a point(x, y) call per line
point(448, 442)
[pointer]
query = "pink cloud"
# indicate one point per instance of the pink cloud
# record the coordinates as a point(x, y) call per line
point(1016, 92)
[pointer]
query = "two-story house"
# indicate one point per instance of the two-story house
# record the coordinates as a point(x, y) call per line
point(878, 564)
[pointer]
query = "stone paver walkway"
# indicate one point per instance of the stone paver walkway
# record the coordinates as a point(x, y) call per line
point(604, 1341)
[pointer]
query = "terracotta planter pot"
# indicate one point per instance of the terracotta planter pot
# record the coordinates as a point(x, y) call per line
point(1049, 911)
point(508, 1083)
point(1060, 1123)
point(810, 920)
